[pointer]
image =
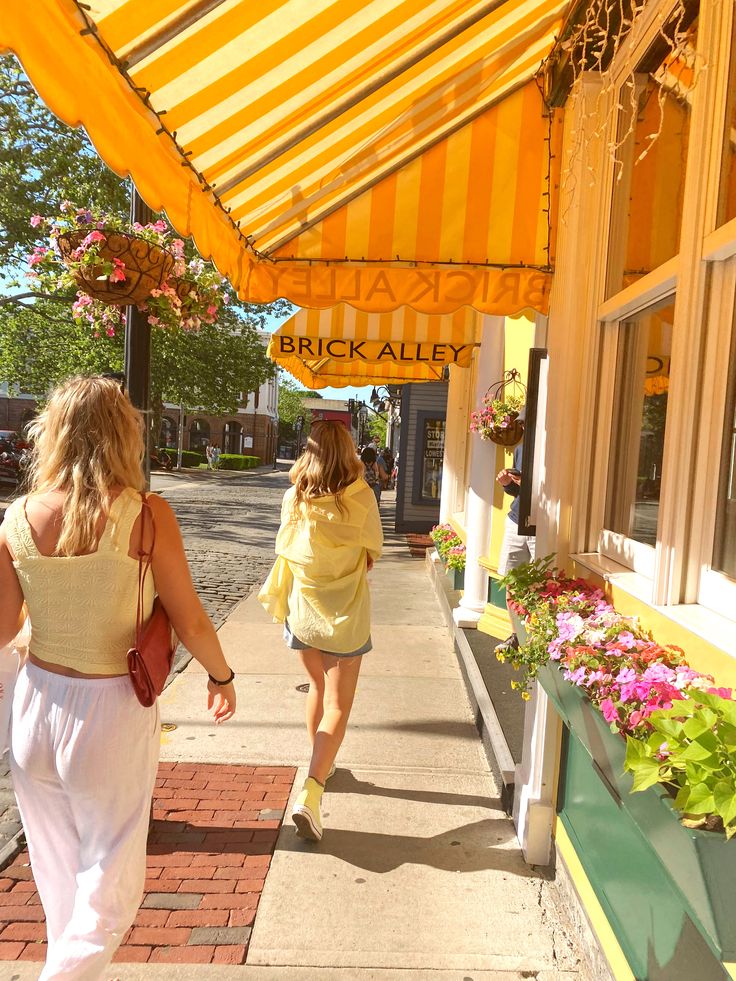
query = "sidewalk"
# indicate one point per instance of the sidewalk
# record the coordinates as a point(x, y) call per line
point(419, 874)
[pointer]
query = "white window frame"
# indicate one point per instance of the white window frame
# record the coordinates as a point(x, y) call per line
point(715, 590)
point(675, 572)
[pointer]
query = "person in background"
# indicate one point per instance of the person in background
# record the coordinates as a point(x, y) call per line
point(516, 548)
point(84, 751)
point(216, 453)
point(329, 538)
point(389, 464)
point(370, 471)
point(208, 451)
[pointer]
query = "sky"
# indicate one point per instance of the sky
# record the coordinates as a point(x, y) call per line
point(361, 394)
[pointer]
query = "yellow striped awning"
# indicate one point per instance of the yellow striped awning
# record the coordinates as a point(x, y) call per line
point(374, 152)
point(344, 346)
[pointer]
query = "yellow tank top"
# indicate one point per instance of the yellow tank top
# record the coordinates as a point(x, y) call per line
point(82, 607)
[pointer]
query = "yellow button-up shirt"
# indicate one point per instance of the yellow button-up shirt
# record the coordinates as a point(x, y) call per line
point(319, 579)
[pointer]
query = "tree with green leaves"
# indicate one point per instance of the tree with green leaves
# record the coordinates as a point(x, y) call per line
point(377, 427)
point(208, 369)
point(291, 406)
point(42, 163)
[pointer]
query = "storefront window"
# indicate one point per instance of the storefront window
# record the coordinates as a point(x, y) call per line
point(433, 451)
point(727, 203)
point(724, 551)
point(639, 419)
point(654, 127)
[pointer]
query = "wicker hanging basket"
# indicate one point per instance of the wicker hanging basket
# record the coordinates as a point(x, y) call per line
point(512, 433)
point(186, 290)
point(147, 266)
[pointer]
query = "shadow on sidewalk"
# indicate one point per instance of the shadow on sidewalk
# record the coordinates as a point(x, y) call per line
point(468, 848)
point(345, 782)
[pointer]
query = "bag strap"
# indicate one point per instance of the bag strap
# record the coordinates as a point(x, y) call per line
point(143, 566)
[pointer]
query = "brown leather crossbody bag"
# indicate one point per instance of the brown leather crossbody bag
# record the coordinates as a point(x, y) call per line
point(149, 662)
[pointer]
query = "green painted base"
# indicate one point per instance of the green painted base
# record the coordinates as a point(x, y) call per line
point(457, 576)
point(668, 890)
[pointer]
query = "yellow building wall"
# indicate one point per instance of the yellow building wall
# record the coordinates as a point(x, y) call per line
point(519, 334)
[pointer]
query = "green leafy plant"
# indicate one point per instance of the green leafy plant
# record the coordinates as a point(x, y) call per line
point(237, 461)
point(692, 749)
point(444, 537)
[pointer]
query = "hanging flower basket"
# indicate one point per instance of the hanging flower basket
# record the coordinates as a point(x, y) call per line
point(111, 263)
point(498, 417)
point(124, 270)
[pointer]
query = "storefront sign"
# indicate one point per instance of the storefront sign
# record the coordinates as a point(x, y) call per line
point(437, 289)
point(373, 352)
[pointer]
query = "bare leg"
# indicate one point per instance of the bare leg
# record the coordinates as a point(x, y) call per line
point(341, 678)
point(312, 661)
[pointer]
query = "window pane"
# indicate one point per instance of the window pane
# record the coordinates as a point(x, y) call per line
point(639, 419)
point(727, 204)
point(724, 551)
point(650, 187)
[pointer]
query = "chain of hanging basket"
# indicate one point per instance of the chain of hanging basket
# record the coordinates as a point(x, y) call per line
point(147, 267)
point(497, 419)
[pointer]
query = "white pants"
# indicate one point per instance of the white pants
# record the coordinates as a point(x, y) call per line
point(516, 549)
point(84, 754)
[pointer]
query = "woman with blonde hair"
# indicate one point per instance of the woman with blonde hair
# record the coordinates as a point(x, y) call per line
point(84, 751)
point(329, 537)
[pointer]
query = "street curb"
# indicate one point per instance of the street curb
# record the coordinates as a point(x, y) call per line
point(13, 848)
point(494, 742)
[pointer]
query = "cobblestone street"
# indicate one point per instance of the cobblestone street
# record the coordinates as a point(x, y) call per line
point(229, 522)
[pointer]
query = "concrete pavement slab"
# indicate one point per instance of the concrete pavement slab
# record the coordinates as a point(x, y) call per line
point(418, 722)
point(428, 868)
point(411, 651)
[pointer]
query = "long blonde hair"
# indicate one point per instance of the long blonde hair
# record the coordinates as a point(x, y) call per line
point(87, 440)
point(328, 465)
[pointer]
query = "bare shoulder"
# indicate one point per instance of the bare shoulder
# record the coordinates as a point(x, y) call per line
point(163, 513)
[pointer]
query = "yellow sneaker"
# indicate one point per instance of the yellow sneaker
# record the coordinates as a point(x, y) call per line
point(306, 812)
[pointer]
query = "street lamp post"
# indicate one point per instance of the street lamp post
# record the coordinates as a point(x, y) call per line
point(138, 342)
point(386, 399)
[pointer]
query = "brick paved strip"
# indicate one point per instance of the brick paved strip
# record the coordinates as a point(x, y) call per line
point(203, 883)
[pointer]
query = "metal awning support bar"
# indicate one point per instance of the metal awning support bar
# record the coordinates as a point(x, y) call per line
point(363, 93)
point(188, 17)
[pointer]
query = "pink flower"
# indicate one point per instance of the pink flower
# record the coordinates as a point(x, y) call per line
point(723, 692)
point(609, 710)
point(36, 220)
point(211, 310)
point(118, 273)
point(93, 237)
point(110, 331)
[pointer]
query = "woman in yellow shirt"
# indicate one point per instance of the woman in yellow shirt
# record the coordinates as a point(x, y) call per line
point(329, 537)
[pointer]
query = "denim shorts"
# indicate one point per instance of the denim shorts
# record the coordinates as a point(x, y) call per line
point(295, 644)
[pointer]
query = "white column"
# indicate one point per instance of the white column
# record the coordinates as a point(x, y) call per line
point(455, 440)
point(481, 483)
point(534, 801)
point(571, 394)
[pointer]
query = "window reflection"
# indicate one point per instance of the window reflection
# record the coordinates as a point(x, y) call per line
point(727, 203)
point(639, 420)
point(649, 193)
